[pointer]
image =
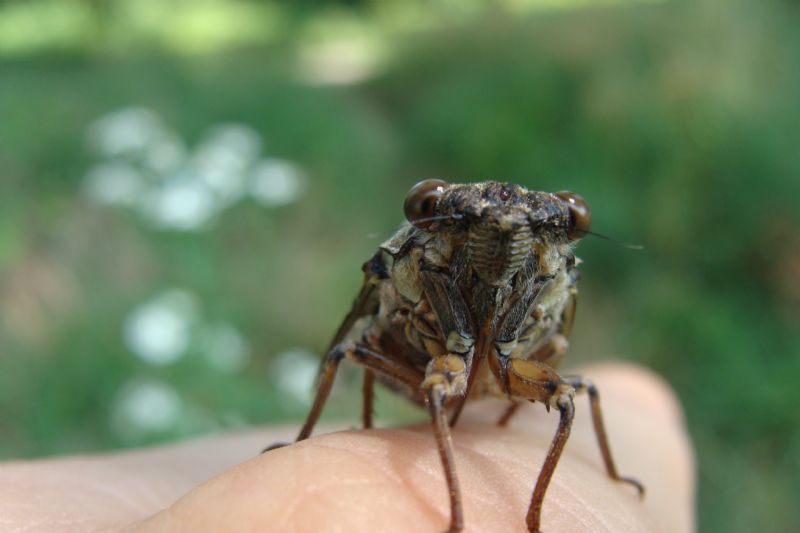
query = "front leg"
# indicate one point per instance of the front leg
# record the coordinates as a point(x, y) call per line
point(453, 316)
point(445, 377)
point(451, 311)
point(537, 381)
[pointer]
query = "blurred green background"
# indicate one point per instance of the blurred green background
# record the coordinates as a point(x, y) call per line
point(188, 190)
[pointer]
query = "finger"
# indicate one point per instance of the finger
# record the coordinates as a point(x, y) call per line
point(111, 490)
point(389, 480)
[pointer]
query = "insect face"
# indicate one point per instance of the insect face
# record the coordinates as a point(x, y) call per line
point(502, 224)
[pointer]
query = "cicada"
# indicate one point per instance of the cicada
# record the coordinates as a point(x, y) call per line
point(473, 296)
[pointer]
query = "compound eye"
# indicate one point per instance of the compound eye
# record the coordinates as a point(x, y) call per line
point(580, 216)
point(421, 202)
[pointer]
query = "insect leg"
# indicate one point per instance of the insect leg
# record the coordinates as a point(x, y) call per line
point(327, 373)
point(567, 410)
point(445, 377)
point(533, 380)
point(584, 385)
point(369, 397)
point(361, 355)
point(454, 317)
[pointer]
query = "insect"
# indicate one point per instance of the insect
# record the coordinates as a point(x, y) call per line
point(474, 296)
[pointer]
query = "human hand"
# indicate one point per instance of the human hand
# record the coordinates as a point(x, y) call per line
point(380, 480)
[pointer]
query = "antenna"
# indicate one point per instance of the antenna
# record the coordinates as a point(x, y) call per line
point(628, 245)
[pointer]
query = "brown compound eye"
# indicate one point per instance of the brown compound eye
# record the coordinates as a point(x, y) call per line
point(580, 216)
point(421, 202)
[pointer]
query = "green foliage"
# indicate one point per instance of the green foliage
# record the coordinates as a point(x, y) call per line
point(676, 121)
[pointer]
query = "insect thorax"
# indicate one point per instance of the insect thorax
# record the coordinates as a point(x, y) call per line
point(406, 322)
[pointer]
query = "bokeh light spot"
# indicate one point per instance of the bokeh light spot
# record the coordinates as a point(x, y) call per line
point(158, 331)
point(145, 406)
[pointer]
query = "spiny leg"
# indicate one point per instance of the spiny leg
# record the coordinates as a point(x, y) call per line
point(368, 391)
point(474, 358)
point(585, 385)
point(444, 442)
point(533, 380)
point(567, 411)
point(445, 377)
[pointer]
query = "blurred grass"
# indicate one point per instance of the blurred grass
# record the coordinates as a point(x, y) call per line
point(677, 121)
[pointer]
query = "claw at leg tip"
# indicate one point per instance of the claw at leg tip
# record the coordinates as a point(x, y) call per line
point(274, 446)
point(639, 487)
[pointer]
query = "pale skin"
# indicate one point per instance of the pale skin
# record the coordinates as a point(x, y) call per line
point(380, 480)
